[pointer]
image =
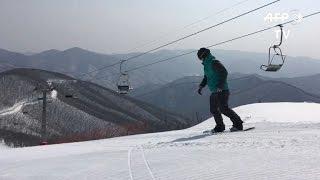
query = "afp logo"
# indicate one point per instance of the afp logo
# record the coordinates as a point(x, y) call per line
point(295, 16)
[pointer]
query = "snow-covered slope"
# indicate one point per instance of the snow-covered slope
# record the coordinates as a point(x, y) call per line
point(76, 110)
point(284, 145)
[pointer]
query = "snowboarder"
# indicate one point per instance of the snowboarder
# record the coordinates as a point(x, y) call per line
point(215, 76)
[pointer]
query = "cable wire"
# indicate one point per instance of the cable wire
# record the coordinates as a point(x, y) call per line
point(185, 37)
point(217, 44)
point(203, 30)
point(189, 25)
point(223, 42)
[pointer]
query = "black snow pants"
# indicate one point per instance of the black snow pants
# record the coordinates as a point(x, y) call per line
point(219, 104)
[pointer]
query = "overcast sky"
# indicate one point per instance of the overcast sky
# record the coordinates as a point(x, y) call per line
point(119, 26)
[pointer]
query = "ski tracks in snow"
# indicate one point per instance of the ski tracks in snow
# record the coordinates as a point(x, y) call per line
point(140, 169)
point(129, 163)
point(147, 163)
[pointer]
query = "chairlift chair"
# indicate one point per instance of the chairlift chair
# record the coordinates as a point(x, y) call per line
point(123, 83)
point(271, 67)
point(71, 96)
point(277, 55)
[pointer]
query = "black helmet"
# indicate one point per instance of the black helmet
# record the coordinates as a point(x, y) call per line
point(203, 53)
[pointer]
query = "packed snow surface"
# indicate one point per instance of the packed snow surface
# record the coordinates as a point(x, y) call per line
point(284, 145)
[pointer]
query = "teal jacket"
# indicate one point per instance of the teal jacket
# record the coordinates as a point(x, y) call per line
point(215, 74)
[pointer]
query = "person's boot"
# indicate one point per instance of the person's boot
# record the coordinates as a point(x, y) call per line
point(237, 127)
point(218, 128)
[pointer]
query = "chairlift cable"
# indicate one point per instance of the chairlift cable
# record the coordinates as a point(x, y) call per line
point(185, 37)
point(217, 44)
point(203, 30)
point(220, 43)
point(189, 25)
point(223, 42)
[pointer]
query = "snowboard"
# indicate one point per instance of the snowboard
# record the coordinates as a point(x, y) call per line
point(208, 132)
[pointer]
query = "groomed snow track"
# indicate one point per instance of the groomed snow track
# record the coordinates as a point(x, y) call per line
point(283, 146)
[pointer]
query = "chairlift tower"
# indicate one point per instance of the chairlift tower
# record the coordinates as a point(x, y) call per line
point(44, 89)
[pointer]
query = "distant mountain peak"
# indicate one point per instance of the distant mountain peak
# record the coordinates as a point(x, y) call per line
point(3, 51)
point(49, 52)
point(77, 50)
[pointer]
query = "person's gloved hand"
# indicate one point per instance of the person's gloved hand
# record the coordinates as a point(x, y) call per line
point(200, 90)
